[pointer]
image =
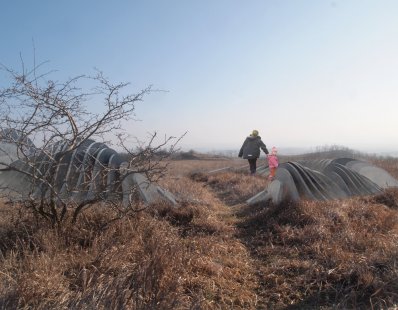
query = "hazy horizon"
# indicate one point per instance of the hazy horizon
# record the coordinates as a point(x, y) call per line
point(303, 73)
point(288, 151)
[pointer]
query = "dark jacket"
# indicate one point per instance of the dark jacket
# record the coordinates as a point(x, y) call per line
point(251, 147)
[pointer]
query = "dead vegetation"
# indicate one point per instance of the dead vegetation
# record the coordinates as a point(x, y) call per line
point(339, 254)
point(212, 253)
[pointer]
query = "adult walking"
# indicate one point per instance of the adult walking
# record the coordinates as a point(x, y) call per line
point(250, 150)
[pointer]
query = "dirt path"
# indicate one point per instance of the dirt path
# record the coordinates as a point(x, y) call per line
point(312, 255)
point(233, 190)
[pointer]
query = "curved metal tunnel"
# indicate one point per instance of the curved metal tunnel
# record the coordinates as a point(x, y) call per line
point(325, 179)
point(93, 171)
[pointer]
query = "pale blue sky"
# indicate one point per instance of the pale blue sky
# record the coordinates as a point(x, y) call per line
point(305, 73)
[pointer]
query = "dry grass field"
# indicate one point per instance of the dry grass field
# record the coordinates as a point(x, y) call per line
point(213, 252)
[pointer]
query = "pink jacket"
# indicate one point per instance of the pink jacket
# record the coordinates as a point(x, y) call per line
point(273, 161)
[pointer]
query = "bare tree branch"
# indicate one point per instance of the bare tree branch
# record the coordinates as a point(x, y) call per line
point(43, 123)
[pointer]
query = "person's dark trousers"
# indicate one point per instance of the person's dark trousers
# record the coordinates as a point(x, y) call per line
point(252, 163)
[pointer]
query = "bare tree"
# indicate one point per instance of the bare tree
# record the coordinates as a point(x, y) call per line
point(44, 125)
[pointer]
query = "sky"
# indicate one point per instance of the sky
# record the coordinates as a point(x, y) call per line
point(304, 73)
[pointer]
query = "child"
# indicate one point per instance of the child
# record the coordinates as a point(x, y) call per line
point(273, 163)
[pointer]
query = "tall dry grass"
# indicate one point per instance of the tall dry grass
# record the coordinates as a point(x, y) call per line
point(124, 266)
point(164, 258)
point(213, 252)
point(337, 254)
